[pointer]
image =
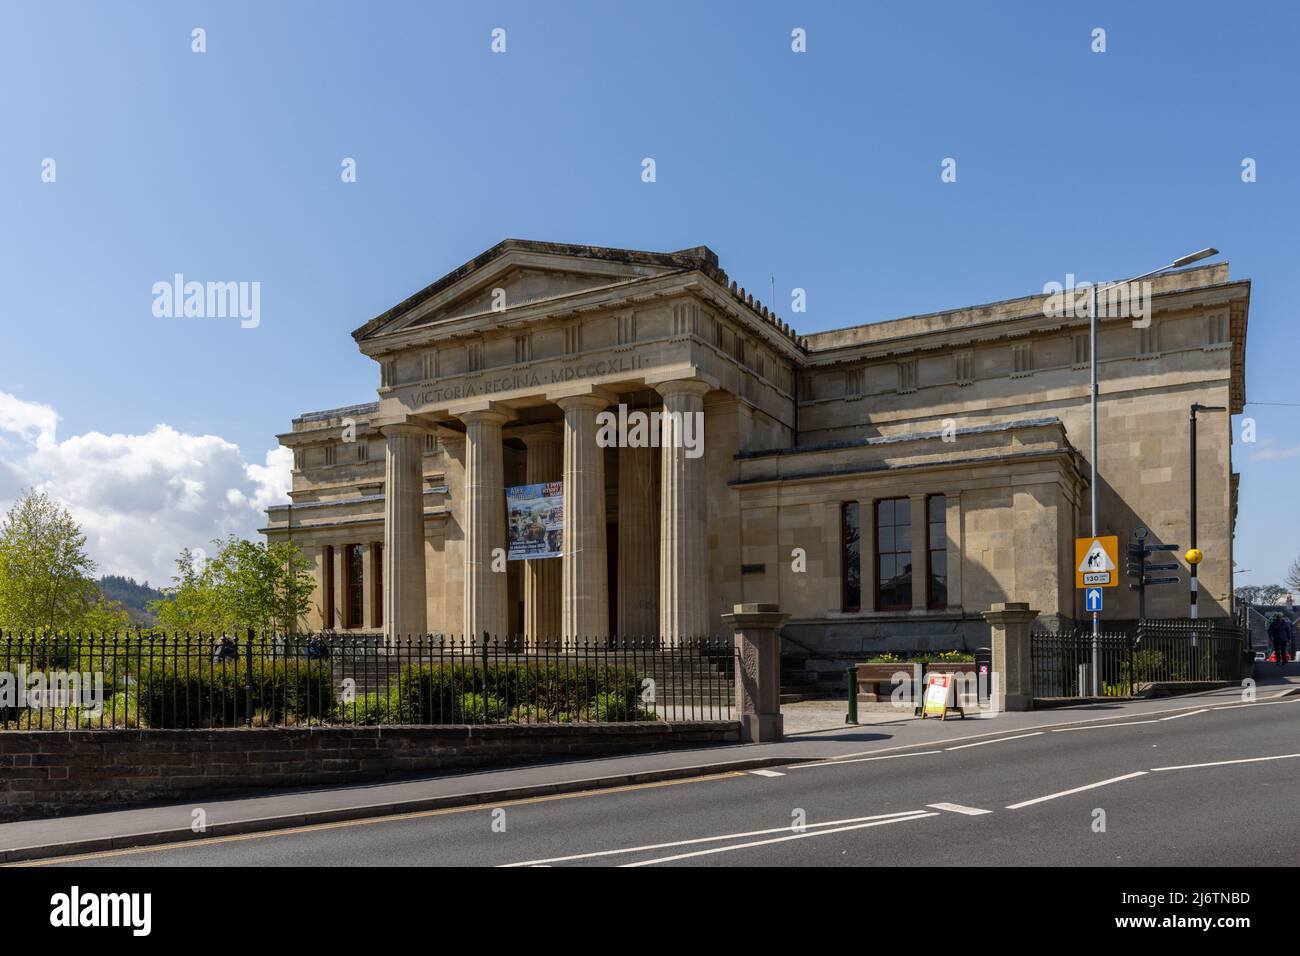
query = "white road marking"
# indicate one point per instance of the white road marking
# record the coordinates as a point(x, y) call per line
point(981, 743)
point(1127, 723)
point(887, 817)
point(767, 773)
point(834, 761)
point(1190, 713)
point(1093, 724)
point(784, 839)
point(958, 808)
point(1263, 703)
point(1066, 793)
point(1224, 763)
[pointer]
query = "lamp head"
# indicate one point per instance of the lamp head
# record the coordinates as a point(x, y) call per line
point(1195, 257)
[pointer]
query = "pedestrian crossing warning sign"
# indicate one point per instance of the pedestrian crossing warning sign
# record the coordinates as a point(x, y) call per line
point(1095, 562)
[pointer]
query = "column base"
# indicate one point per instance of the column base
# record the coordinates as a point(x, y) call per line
point(761, 728)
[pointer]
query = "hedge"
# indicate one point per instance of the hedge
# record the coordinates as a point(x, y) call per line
point(454, 694)
point(217, 694)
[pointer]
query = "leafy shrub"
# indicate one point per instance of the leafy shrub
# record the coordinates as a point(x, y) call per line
point(436, 693)
point(943, 657)
point(472, 709)
point(1144, 666)
point(194, 694)
point(381, 707)
point(614, 708)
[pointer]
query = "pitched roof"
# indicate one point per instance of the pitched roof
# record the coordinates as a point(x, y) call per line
point(698, 257)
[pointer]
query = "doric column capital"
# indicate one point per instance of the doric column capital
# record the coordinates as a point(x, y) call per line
point(406, 429)
point(536, 436)
point(582, 396)
point(684, 386)
point(484, 416)
point(595, 403)
point(481, 410)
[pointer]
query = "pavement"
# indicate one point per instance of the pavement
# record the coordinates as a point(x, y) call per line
point(317, 826)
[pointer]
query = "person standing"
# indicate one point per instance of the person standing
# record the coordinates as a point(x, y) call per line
point(1278, 633)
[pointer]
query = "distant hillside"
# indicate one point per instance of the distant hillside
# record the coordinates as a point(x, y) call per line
point(132, 596)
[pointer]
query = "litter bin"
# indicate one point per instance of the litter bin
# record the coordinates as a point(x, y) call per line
point(984, 673)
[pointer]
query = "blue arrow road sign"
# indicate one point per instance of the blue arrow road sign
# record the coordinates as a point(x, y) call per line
point(1094, 599)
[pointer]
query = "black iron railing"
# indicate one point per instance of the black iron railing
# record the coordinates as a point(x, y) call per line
point(260, 680)
point(1157, 651)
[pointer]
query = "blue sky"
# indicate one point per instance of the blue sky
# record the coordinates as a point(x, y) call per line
point(821, 167)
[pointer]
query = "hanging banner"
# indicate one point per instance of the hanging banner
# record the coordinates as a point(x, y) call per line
point(535, 520)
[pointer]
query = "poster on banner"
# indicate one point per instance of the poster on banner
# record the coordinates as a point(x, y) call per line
point(535, 520)
point(940, 697)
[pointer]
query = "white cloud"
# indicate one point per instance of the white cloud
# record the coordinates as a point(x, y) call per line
point(1274, 454)
point(140, 499)
point(30, 421)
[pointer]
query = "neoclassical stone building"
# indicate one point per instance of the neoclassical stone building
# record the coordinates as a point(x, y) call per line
point(883, 483)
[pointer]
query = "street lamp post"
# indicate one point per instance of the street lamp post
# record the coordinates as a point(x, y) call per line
point(1092, 363)
point(1193, 553)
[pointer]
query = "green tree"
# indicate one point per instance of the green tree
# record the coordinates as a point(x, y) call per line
point(246, 584)
point(104, 616)
point(195, 604)
point(46, 581)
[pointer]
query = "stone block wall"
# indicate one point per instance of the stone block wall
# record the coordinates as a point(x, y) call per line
point(55, 773)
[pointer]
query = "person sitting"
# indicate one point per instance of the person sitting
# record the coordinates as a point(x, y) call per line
point(317, 649)
point(226, 650)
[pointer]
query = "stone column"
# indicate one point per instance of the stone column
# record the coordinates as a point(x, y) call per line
point(404, 596)
point(485, 526)
point(368, 586)
point(544, 462)
point(638, 543)
point(956, 549)
point(584, 573)
point(758, 672)
point(316, 614)
point(920, 559)
point(834, 561)
point(867, 551)
point(1009, 629)
point(683, 521)
point(341, 592)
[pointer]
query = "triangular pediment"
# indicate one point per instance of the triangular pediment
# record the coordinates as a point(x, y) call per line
point(519, 286)
point(518, 273)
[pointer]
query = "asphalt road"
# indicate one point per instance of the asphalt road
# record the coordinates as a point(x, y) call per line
point(1216, 788)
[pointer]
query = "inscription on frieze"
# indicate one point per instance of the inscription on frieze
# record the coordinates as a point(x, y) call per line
point(523, 379)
